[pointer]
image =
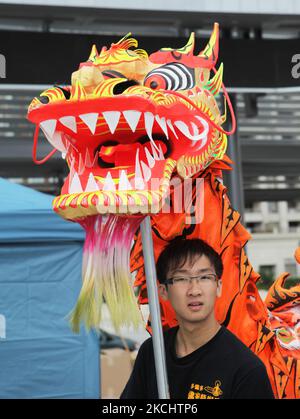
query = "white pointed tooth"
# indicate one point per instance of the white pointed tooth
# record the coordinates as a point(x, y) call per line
point(195, 133)
point(154, 152)
point(95, 161)
point(88, 161)
point(139, 183)
point(172, 128)
point(90, 120)
point(138, 172)
point(91, 185)
point(184, 129)
point(149, 120)
point(71, 175)
point(124, 184)
point(68, 145)
point(63, 156)
point(195, 128)
point(182, 126)
point(54, 138)
point(109, 184)
point(75, 186)
point(48, 127)
point(162, 123)
point(200, 144)
point(81, 166)
point(150, 159)
point(146, 171)
point(161, 153)
point(138, 180)
point(72, 169)
point(132, 118)
point(205, 125)
point(153, 145)
point(112, 119)
point(56, 141)
point(69, 122)
point(203, 135)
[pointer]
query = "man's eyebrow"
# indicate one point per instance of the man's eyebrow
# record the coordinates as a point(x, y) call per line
point(188, 270)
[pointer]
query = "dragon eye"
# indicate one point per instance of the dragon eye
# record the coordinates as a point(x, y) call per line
point(174, 76)
point(155, 82)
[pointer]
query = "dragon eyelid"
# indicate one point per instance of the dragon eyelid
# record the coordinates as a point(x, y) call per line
point(113, 74)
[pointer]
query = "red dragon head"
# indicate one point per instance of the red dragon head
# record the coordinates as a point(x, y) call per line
point(129, 120)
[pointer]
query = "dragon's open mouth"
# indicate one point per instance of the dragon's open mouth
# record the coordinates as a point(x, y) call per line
point(121, 161)
point(112, 154)
point(131, 166)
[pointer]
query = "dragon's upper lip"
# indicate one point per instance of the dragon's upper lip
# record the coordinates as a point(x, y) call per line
point(88, 111)
point(100, 126)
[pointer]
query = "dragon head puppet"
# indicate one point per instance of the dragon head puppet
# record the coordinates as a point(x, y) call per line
point(127, 125)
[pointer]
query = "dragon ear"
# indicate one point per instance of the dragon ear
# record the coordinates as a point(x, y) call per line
point(211, 51)
point(94, 53)
point(214, 84)
point(189, 47)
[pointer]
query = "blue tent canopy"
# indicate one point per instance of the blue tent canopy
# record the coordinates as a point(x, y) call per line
point(40, 279)
point(26, 215)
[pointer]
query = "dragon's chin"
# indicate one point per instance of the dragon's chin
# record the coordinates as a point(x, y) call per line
point(148, 200)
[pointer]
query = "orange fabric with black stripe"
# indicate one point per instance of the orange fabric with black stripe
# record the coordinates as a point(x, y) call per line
point(240, 307)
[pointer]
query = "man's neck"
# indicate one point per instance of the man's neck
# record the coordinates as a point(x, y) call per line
point(192, 336)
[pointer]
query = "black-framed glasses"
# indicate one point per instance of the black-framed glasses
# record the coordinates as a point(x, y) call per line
point(185, 281)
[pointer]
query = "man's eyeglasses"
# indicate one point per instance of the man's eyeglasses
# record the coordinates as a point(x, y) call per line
point(200, 279)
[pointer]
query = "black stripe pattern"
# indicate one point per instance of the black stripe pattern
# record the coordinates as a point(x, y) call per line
point(176, 75)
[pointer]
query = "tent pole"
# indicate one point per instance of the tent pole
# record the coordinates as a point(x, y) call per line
point(151, 280)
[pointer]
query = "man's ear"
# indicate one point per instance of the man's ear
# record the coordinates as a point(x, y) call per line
point(219, 288)
point(163, 292)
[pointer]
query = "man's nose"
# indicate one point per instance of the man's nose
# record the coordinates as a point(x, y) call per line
point(194, 287)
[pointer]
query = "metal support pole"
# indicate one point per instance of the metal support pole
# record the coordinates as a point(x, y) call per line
point(157, 336)
point(234, 179)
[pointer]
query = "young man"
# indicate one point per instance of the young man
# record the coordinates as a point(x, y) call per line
point(204, 360)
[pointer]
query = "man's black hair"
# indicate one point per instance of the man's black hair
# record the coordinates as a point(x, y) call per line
point(179, 250)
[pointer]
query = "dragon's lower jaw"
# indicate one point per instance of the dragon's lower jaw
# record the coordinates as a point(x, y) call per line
point(78, 205)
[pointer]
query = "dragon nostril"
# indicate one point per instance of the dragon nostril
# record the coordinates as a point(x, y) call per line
point(121, 87)
point(66, 92)
point(43, 99)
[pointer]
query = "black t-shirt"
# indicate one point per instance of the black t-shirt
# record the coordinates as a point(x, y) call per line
point(223, 368)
